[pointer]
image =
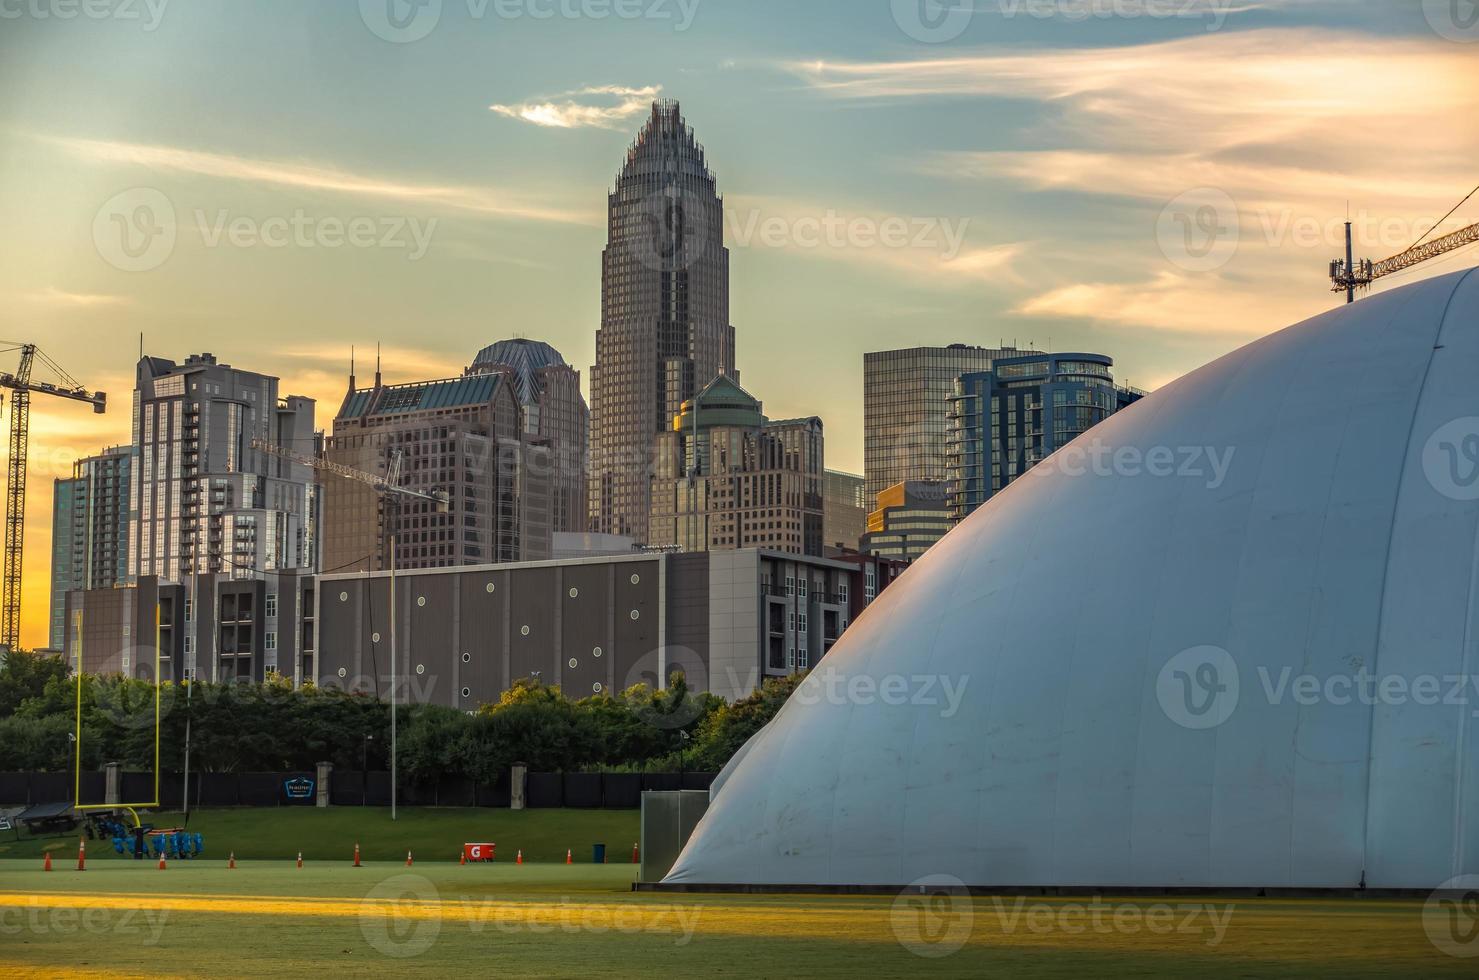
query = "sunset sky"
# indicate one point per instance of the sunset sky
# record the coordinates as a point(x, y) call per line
point(1158, 188)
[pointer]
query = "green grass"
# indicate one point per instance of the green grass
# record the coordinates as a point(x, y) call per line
point(272, 919)
point(330, 835)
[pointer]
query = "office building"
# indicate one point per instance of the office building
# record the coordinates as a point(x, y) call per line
point(845, 507)
point(554, 415)
point(1007, 420)
point(89, 531)
point(462, 436)
point(726, 477)
point(729, 619)
point(909, 520)
point(202, 500)
point(906, 407)
point(665, 330)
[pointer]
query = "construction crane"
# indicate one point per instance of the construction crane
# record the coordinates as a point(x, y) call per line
point(1349, 275)
point(22, 387)
point(388, 486)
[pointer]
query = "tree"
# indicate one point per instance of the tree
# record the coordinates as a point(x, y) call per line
point(24, 676)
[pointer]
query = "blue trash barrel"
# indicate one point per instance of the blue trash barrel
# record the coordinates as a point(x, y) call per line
point(598, 853)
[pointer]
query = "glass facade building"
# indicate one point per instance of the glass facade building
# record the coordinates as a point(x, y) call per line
point(906, 407)
point(665, 331)
point(89, 531)
point(1006, 420)
point(845, 507)
point(910, 519)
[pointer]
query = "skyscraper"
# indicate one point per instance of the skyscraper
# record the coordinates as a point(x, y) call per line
point(906, 403)
point(202, 499)
point(89, 531)
point(1005, 421)
point(665, 331)
point(845, 507)
point(554, 415)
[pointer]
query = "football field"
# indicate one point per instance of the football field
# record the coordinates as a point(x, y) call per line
point(272, 919)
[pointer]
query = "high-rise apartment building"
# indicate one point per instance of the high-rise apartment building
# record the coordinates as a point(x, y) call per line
point(665, 331)
point(729, 478)
point(845, 509)
point(460, 435)
point(906, 404)
point(554, 415)
point(89, 531)
point(1005, 421)
point(201, 498)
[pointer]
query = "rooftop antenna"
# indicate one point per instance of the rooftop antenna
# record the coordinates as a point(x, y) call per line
point(377, 364)
point(1352, 274)
point(351, 369)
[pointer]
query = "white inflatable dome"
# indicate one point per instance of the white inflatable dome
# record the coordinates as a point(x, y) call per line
point(1228, 638)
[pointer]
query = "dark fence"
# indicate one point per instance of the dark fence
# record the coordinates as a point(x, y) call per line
point(349, 787)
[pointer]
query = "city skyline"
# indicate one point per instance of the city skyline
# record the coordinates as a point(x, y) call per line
point(1034, 185)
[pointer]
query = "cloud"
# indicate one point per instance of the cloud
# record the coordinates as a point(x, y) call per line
point(613, 106)
point(53, 297)
point(313, 177)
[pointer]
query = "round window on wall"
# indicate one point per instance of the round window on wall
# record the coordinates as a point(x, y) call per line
point(574, 593)
point(421, 600)
point(574, 663)
point(489, 588)
point(420, 669)
point(525, 631)
point(636, 615)
point(374, 637)
point(636, 580)
point(597, 653)
point(343, 672)
point(467, 658)
point(467, 692)
point(343, 596)
point(596, 687)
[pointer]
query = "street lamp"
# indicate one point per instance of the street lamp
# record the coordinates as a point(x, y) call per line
point(364, 783)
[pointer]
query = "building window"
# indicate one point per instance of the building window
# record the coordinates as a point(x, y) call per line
point(842, 594)
point(272, 605)
point(790, 585)
point(189, 610)
point(270, 641)
point(189, 645)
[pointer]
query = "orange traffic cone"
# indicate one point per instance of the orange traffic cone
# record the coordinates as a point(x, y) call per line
point(356, 855)
point(635, 859)
point(408, 859)
point(231, 862)
point(161, 862)
point(81, 855)
point(569, 856)
point(47, 867)
point(464, 858)
point(300, 859)
point(519, 858)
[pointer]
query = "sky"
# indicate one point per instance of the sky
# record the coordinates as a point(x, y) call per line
point(279, 181)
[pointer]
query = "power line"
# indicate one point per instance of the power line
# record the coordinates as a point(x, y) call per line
point(1443, 219)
